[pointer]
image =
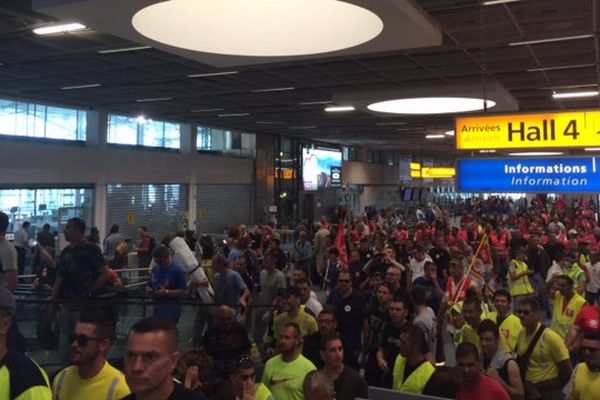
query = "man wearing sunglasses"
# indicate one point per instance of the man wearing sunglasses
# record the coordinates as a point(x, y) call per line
point(243, 379)
point(20, 377)
point(547, 366)
point(90, 376)
point(585, 380)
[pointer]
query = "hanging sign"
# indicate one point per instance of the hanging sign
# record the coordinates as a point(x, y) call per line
point(528, 131)
point(531, 175)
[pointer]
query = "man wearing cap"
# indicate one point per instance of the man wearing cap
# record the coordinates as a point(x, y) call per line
point(518, 276)
point(20, 377)
point(244, 383)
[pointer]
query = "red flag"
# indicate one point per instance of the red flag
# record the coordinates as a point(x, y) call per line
point(481, 269)
point(340, 244)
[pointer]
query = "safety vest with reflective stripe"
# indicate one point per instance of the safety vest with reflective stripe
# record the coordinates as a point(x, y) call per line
point(509, 331)
point(563, 317)
point(416, 381)
point(521, 286)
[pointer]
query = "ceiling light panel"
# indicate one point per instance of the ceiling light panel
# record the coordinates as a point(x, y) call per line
point(536, 153)
point(277, 89)
point(211, 74)
point(430, 105)
point(258, 28)
point(123, 49)
point(575, 95)
point(339, 109)
point(86, 86)
point(59, 28)
point(550, 40)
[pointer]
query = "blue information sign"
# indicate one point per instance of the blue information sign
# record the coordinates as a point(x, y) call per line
point(529, 175)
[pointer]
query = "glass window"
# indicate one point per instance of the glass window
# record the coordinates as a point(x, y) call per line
point(39, 121)
point(45, 206)
point(142, 132)
point(222, 141)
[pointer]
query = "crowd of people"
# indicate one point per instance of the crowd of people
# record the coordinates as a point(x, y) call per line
point(353, 301)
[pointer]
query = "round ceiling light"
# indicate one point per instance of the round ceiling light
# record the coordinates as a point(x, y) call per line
point(260, 28)
point(430, 105)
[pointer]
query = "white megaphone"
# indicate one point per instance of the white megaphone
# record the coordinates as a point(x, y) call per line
point(185, 259)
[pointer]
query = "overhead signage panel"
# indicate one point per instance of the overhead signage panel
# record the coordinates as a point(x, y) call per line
point(437, 172)
point(528, 131)
point(531, 175)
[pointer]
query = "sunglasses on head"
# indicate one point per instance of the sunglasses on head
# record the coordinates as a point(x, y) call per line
point(82, 340)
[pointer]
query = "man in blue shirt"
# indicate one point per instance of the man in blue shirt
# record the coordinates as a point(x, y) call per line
point(230, 289)
point(167, 285)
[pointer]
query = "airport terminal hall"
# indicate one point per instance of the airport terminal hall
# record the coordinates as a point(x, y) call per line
point(299, 199)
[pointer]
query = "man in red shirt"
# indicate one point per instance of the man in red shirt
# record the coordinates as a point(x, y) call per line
point(474, 385)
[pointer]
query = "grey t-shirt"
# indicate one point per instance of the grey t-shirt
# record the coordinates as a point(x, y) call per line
point(426, 323)
point(269, 283)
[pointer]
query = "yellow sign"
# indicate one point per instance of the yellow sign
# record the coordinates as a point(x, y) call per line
point(131, 219)
point(437, 173)
point(202, 213)
point(415, 173)
point(415, 166)
point(528, 131)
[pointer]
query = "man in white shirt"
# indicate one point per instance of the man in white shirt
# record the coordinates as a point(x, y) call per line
point(416, 265)
point(20, 242)
point(8, 258)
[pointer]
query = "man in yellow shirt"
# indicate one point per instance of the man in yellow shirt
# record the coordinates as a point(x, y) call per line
point(473, 313)
point(244, 383)
point(509, 325)
point(548, 367)
point(90, 376)
point(293, 312)
point(585, 380)
point(567, 304)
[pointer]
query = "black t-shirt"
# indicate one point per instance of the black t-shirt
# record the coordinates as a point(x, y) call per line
point(351, 313)
point(79, 267)
point(377, 320)
point(390, 342)
point(178, 393)
point(350, 385)
point(226, 342)
point(441, 258)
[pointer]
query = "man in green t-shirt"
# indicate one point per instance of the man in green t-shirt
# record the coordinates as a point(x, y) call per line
point(284, 374)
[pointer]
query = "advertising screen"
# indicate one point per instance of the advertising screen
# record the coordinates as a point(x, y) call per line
point(317, 166)
point(532, 175)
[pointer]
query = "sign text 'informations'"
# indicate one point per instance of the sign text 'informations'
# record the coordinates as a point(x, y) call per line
point(528, 131)
point(532, 175)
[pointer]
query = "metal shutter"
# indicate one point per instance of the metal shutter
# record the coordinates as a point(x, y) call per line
point(160, 208)
point(222, 206)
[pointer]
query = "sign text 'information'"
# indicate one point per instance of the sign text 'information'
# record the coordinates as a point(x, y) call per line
point(532, 175)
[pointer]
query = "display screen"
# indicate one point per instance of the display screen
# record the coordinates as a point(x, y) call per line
point(317, 165)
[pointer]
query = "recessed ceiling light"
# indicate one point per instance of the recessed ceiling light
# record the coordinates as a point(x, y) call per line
point(59, 28)
point(202, 110)
point(430, 105)
point(339, 108)
point(536, 153)
point(227, 115)
point(277, 89)
point(494, 2)
point(152, 99)
point(560, 67)
point(550, 40)
point(123, 49)
point(312, 103)
point(258, 28)
point(592, 149)
point(435, 136)
point(209, 74)
point(487, 151)
point(141, 119)
point(574, 95)
point(449, 133)
point(87, 86)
